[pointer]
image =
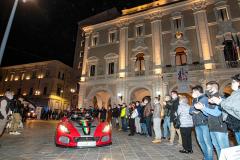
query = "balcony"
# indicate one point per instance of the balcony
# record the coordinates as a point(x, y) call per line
point(191, 67)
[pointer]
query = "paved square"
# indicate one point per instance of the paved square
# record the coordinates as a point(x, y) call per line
point(37, 143)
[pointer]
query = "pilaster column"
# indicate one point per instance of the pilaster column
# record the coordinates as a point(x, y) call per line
point(84, 69)
point(203, 35)
point(123, 48)
point(157, 42)
point(81, 95)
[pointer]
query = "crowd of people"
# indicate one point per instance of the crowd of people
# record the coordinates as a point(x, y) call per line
point(211, 115)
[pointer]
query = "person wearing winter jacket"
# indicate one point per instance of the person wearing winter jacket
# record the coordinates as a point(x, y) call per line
point(230, 106)
point(186, 124)
point(200, 122)
point(157, 120)
point(137, 119)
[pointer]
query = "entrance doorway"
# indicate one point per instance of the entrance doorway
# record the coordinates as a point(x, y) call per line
point(139, 93)
point(101, 99)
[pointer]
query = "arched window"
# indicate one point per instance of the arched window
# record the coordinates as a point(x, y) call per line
point(181, 56)
point(139, 64)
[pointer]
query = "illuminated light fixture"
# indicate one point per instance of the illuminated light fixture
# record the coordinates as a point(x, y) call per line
point(40, 76)
point(61, 91)
point(6, 79)
point(122, 74)
point(158, 71)
point(82, 79)
point(208, 66)
point(37, 92)
point(28, 77)
point(24, 94)
point(72, 90)
point(16, 79)
point(1, 95)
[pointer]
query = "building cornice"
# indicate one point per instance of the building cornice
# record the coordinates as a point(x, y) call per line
point(147, 14)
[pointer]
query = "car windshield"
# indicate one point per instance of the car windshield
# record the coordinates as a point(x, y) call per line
point(80, 115)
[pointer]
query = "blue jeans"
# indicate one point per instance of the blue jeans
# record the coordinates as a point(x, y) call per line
point(166, 127)
point(124, 124)
point(204, 140)
point(219, 140)
point(149, 125)
point(237, 136)
point(144, 128)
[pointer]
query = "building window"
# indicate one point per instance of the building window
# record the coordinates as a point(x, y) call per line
point(139, 64)
point(34, 74)
point(80, 65)
point(45, 91)
point(223, 14)
point(112, 37)
point(181, 56)
point(59, 75)
point(59, 91)
point(230, 53)
point(177, 23)
point(31, 91)
point(139, 30)
point(47, 73)
point(111, 68)
point(92, 70)
point(95, 40)
point(63, 76)
point(80, 54)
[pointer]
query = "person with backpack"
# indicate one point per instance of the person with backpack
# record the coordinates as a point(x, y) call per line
point(5, 111)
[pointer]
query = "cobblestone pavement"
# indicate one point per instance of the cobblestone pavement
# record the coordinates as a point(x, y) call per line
point(37, 143)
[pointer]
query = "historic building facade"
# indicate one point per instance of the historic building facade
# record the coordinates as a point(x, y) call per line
point(141, 52)
point(50, 83)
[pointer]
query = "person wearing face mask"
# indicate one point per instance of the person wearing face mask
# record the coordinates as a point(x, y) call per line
point(157, 120)
point(5, 110)
point(173, 107)
point(200, 122)
point(231, 106)
point(217, 127)
point(147, 114)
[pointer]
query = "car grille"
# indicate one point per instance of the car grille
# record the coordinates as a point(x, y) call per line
point(83, 139)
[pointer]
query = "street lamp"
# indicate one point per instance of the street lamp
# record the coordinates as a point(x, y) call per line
point(120, 96)
point(8, 28)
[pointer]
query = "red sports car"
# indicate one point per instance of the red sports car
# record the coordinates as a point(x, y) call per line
point(82, 130)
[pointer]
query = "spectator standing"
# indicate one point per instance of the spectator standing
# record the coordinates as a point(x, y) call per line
point(166, 121)
point(186, 125)
point(218, 128)
point(5, 111)
point(137, 119)
point(147, 114)
point(157, 120)
point(173, 106)
point(200, 122)
point(231, 107)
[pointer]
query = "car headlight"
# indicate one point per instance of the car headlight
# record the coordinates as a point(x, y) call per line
point(106, 128)
point(63, 129)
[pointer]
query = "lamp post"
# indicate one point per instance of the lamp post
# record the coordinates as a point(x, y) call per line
point(6, 34)
point(72, 94)
point(8, 28)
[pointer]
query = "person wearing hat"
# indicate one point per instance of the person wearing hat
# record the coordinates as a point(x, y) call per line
point(231, 106)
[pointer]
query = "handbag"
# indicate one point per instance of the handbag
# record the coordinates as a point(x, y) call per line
point(176, 121)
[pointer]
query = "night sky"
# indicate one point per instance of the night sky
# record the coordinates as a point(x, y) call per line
point(46, 29)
